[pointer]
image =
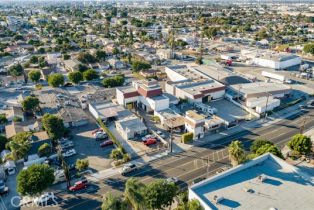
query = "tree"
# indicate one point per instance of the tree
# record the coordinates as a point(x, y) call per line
point(3, 119)
point(86, 58)
point(54, 126)
point(159, 194)
point(17, 119)
point(101, 55)
point(269, 148)
point(3, 142)
point(113, 81)
point(34, 75)
point(82, 67)
point(194, 205)
point(35, 179)
point(309, 48)
point(81, 164)
point(301, 144)
point(44, 150)
point(75, 77)
point(30, 104)
point(111, 202)
point(66, 57)
point(140, 65)
point(236, 153)
point(66, 170)
point(55, 80)
point(90, 74)
point(134, 193)
point(19, 145)
point(34, 59)
point(16, 70)
point(259, 143)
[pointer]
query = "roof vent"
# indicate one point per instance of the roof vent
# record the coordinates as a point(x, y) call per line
point(218, 199)
point(249, 190)
point(262, 178)
point(273, 208)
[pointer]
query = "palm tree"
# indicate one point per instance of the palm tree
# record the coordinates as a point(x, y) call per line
point(133, 193)
point(111, 202)
point(236, 153)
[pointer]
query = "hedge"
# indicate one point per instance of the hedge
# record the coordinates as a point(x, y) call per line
point(124, 155)
point(187, 137)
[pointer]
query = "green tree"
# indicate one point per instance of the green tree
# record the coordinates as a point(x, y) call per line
point(56, 80)
point(3, 142)
point(90, 74)
point(66, 57)
point(140, 65)
point(35, 179)
point(101, 55)
point(34, 59)
point(259, 143)
point(134, 193)
point(75, 77)
point(301, 144)
point(309, 48)
point(160, 194)
point(17, 119)
point(3, 119)
point(113, 81)
point(19, 145)
point(82, 67)
point(16, 70)
point(54, 126)
point(34, 75)
point(187, 137)
point(81, 164)
point(269, 148)
point(86, 58)
point(30, 104)
point(111, 202)
point(44, 150)
point(236, 153)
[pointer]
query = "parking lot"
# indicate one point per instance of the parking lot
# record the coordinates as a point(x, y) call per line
point(87, 147)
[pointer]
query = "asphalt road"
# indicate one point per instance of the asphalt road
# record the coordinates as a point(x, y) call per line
point(199, 162)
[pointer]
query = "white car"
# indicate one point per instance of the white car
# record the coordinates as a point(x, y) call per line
point(128, 168)
point(69, 153)
point(147, 137)
point(45, 198)
point(173, 180)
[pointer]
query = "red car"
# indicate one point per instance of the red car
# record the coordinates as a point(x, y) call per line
point(106, 143)
point(97, 130)
point(150, 141)
point(78, 186)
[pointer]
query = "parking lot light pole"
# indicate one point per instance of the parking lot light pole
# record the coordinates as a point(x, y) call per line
point(171, 140)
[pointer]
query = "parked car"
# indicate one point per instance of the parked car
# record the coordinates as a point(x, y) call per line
point(66, 145)
point(84, 180)
point(150, 141)
point(147, 137)
point(101, 136)
point(69, 153)
point(97, 130)
point(173, 180)
point(78, 186)
point(128, 168)
point(106, 143)
point(44, 198)
point(3, 189)
point(197, 180)
point(99, 133)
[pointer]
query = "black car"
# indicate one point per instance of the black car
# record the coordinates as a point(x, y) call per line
point(3, 188)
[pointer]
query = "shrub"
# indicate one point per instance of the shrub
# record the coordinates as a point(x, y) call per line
point(301, 144)
point(44, 150)
point(81, 164)
point(187, 137)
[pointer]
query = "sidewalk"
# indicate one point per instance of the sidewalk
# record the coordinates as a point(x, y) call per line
point(179, 147)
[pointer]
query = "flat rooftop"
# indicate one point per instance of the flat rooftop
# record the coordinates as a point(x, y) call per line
point(258, 87)
point(284, 187)
point(127, 89)
point(194, 115)
point(228, 111)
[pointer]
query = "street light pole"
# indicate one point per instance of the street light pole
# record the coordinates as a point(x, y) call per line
point(266, 106)
point(303, 125)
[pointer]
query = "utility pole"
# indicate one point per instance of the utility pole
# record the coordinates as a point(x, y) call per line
point(303, 125)
point(266, 106)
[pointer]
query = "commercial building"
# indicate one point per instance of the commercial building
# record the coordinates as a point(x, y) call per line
point(144, 94)
point(195, 123)
point(187, 82)
point(271, 59)
point(105, 110)
point(267, 182)
point(131, 127)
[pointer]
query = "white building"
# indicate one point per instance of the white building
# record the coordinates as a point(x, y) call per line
point(195, 123)
point(267, 182)
point(187, 82)
point(131, 127)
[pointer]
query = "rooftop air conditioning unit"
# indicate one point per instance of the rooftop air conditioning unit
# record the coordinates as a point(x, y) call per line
point(218, 199)
point(262, 178)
